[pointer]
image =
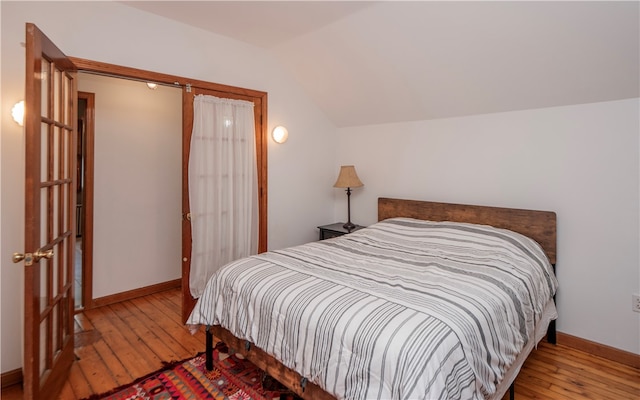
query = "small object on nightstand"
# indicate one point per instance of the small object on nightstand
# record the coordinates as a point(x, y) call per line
point(348, 179)
point(335, 230)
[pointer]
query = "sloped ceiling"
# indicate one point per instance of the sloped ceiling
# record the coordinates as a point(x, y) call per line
point(380, 62)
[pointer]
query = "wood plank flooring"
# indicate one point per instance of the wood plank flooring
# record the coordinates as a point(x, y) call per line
point(118, 343)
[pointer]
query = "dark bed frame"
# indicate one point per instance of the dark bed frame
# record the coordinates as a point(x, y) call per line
point(538, 225)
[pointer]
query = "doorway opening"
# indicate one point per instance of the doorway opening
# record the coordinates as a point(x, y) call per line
point(77, 273)
point(83, 254)
point(189, 88)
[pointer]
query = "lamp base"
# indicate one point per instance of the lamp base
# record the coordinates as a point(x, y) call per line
point(349, 226)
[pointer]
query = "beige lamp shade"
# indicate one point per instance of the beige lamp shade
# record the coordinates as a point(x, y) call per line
point(348, 178)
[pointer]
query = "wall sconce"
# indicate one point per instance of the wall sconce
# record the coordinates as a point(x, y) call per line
point(280, 134)
point(17, 112)
point(152, 85)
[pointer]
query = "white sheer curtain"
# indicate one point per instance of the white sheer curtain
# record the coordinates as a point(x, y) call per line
point(223, 186)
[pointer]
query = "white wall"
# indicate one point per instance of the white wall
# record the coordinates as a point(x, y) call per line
point(580, 161)
point(300, 174)
point(138, 184)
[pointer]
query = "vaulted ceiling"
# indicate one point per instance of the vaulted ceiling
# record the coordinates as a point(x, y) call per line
point(379, 62)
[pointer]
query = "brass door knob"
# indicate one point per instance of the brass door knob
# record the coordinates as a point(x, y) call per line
point(42, 254)
point(29, 258)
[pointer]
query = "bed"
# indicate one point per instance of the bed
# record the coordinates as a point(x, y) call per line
point(435, 300)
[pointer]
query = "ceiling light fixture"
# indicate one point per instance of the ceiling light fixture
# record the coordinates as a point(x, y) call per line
point(152, 85)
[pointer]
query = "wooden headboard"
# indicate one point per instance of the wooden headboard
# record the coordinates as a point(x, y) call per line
point(538, 225)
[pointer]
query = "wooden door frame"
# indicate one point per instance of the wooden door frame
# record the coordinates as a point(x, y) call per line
point(87, 203)
point(260, 100)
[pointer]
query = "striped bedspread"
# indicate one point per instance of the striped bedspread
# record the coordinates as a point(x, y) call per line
point(403, 309)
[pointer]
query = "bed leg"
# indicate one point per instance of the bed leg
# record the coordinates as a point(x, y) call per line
point(551, 332)
point(209, 350)
point(512, 391)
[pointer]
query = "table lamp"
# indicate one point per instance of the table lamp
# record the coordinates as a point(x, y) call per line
point(348, 179)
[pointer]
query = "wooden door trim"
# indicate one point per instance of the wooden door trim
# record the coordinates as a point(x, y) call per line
point(114, 70)
point(88, 201)
point(259, 98)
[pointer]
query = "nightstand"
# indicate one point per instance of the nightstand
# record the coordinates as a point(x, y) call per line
point(335, 230)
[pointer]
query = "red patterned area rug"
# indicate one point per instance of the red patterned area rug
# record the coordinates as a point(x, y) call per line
point(232, 378)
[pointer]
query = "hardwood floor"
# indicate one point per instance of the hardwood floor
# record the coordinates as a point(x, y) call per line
point(116, 344)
